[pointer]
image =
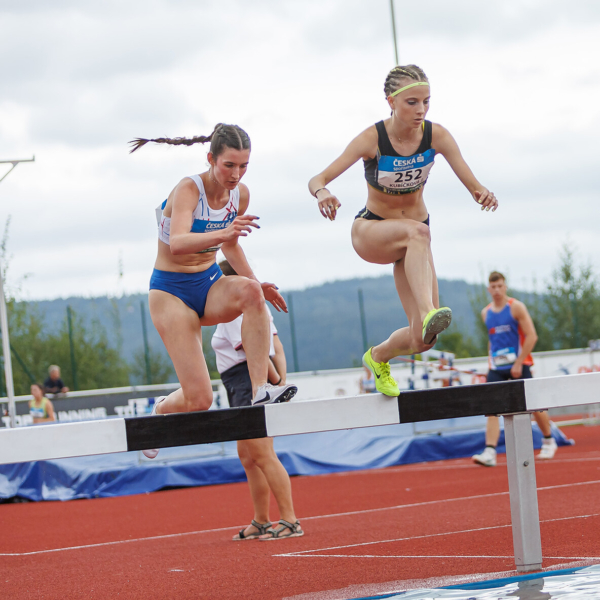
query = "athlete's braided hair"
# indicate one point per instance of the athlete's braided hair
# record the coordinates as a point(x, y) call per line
point(396, 78)
point(223, 136)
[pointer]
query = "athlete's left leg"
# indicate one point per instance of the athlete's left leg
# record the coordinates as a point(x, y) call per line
point(407, 340)
point(543, 421)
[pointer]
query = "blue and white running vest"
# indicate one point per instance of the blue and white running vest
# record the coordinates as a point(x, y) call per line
point(206, 219)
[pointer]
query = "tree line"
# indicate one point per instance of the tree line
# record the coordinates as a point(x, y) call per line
point(566, 314)
point(83, 352)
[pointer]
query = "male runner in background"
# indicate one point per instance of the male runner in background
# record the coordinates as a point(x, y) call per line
point(512, 337)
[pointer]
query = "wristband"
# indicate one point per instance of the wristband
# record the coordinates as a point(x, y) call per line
point(315, 194)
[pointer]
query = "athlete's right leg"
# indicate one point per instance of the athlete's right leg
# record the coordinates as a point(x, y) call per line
point(393, 240)
point(179, 329)
point(257, 482)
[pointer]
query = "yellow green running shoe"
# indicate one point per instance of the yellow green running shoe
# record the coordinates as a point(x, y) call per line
point(384, 382)
point(435, 322)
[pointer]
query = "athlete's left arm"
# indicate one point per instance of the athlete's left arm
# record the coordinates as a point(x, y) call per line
point(237, 259)
point(521, 315)
point(445, 144)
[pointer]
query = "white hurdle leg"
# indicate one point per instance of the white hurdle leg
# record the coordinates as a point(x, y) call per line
point(525, 517)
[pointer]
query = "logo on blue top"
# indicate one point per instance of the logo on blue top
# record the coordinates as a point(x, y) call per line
point(202, 226)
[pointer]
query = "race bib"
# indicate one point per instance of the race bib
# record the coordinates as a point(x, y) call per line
point(404, 173)
point(504, 357)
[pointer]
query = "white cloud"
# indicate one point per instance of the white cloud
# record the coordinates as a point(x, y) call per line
point(516, 83)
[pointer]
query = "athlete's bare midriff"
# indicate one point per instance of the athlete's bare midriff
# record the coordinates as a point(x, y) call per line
point(400, 206)
point(183, 263)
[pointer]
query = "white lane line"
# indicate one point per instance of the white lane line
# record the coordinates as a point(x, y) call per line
point(430, 502)
point(328, 516)
point(429, 535)
point(399, 586)
point(430, 556)
point(143, 539)
point(409, 468)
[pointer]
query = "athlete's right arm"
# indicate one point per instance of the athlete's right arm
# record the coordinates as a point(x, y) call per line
point(182, 239)
point(362, 146)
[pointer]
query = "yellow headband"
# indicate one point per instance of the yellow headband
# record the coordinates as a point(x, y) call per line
point(406, 87)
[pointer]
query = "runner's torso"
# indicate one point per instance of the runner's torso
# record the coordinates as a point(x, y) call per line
point(395, 181)
point(204, 220)
point(506, 338)
point(39, 411)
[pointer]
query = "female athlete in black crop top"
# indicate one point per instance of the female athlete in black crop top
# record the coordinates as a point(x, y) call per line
point(398, 154)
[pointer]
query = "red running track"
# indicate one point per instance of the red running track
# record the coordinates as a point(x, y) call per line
point(367, 532)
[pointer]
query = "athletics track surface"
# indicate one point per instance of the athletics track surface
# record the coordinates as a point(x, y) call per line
point(367, 532)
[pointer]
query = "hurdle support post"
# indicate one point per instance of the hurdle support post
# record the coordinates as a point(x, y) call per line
point(524, 512)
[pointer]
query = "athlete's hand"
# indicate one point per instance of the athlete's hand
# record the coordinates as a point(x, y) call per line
point(240, 227)
point(516, 371)
point(272, 294)
point(328, 205)
point(486, 199)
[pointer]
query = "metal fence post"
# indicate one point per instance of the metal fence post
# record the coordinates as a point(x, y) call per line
point(146, 348)
point(524, 512)
point(363, 320)
point(293, 332)
point(72, 348)
point(8, 376)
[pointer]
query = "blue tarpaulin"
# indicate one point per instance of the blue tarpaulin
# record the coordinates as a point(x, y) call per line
point(307, 454)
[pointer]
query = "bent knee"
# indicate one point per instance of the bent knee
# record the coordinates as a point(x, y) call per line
point(420, 232)
point(251, 295)
point(197, 402)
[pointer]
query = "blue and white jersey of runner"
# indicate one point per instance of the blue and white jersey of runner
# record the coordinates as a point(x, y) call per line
point(206, 219)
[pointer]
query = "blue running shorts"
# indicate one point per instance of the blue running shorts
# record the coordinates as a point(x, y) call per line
point(191, 288)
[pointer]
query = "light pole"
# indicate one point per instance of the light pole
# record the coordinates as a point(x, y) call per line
point(10, 389)
point(394, 32)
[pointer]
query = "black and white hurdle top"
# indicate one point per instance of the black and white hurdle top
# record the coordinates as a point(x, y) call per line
point(45, 442)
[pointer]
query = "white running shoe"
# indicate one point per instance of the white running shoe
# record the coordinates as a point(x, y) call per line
point(153, 452)
point(271, 394)
point(548, 450)
point(487, 458)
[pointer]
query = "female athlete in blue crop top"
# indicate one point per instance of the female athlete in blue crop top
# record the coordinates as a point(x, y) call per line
point(205, 213)
point(393, 228)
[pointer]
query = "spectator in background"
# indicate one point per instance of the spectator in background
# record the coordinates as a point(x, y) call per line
point(40, 408)
point(512, 337)
point(367, 382)
point(263, 468)
point(54, 384)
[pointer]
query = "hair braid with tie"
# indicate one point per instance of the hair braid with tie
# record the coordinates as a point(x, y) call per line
point(399, 75)
point(223, 136)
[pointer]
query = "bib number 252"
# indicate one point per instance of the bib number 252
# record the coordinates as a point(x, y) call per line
point(407, 176)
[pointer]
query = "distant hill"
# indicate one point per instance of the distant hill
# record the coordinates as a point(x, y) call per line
point(327, 319)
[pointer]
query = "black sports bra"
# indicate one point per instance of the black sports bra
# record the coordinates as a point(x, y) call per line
point(392, 173)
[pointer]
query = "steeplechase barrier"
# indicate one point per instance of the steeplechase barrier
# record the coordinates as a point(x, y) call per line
point(514, 400)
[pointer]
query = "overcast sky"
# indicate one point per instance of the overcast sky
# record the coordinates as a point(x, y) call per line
point(516, 82)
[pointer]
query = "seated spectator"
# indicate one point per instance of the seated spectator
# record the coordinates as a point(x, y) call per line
point(54, 384)
point(40, 408)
